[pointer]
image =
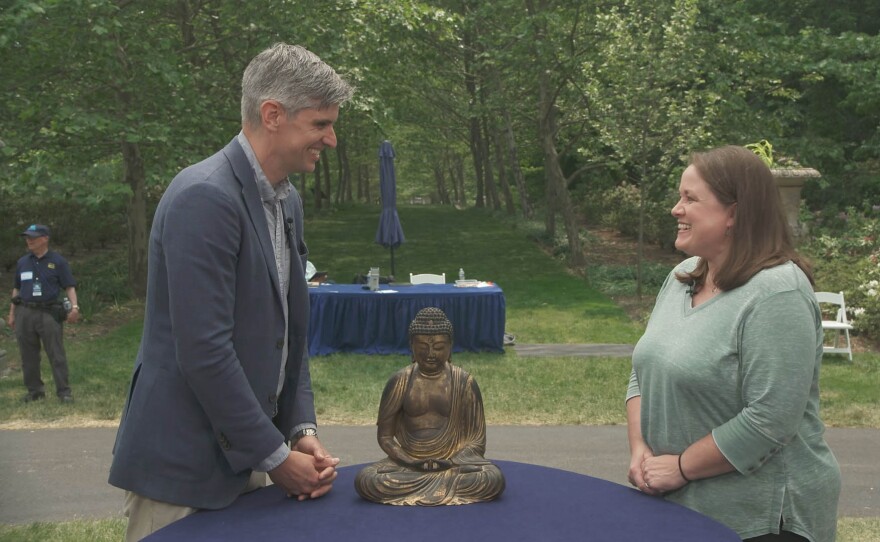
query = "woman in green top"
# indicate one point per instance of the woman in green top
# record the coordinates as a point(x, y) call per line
point(723, 401)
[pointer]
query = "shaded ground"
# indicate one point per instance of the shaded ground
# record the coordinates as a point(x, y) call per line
point(610, 247)
point(614, 248)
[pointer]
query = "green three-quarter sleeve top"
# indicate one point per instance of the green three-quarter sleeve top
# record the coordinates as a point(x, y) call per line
point(743, 366)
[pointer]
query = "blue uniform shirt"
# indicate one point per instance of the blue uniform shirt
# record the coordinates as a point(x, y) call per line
point(52, 271)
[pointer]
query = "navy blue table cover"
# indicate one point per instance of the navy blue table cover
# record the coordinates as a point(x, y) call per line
point(350, 318)
point(539, 504)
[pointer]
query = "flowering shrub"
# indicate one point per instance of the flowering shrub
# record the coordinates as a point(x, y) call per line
point(843, 246)
point(865, 301)
point(846, 257)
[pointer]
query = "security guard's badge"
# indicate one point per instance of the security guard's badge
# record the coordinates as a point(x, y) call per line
point(51, 265)
point(37, 288)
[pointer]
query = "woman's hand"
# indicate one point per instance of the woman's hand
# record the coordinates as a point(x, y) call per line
point(638, 449)
point(640, 453)
point(661, 475)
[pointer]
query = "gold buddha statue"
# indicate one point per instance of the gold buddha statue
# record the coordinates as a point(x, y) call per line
point(432, 427)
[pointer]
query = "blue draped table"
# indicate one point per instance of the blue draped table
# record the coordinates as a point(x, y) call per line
point(350, 318)
point(539, 503)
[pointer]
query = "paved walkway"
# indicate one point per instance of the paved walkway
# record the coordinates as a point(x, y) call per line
point(577, 350)
point(61, 474)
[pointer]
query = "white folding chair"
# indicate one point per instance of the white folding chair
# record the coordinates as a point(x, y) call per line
point(427, 278)
point(839, 326)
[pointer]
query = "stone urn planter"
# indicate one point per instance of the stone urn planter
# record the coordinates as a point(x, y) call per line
point(790, 182)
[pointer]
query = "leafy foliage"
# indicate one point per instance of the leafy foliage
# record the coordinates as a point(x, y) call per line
point(764, 150)
point(616, 207)
point(846, 254)
point(632, 86)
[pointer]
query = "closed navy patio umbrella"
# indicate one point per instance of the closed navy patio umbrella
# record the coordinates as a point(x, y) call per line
point(389, 234)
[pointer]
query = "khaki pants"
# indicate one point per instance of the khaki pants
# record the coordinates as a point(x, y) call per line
point(146, 516)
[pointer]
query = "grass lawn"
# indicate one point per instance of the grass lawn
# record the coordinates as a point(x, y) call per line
point(546, 303)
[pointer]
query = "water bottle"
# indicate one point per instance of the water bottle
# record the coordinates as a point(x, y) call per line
point(460, 273)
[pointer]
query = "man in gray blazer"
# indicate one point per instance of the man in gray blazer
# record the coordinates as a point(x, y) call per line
point(221, 382)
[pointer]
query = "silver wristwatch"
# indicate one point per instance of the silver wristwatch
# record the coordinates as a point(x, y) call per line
point(307, 432)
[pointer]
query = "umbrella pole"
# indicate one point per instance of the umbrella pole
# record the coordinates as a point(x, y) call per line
point(392, 262)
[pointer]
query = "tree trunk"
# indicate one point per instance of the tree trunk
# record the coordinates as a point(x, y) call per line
point(457, 173)
point(316, 190)
point(364, 183)
point(361, 175)
point(513, 161)
point(485, 151)
point(640, 246)
point(303, 191)
point(505, 151)
point(440, 181)
point(551, 203)
point(328, 188)
point(344, 172)
point(555, 177)
point(470, 83)
point(135, 178)
point(478, 161)
point(556, 183)
point(447, 165)
point(502, 172)
point(340, 178)
point(134, 175)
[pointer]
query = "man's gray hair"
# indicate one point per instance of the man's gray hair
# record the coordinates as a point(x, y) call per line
point(295, 77)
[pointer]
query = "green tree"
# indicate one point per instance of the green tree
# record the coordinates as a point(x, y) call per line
point(107, 81)
point(648, 105)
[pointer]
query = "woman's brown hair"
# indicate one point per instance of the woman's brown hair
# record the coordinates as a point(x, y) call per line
point(760, 236)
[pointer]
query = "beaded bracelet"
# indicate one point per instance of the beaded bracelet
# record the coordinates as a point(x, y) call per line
point(681, 470)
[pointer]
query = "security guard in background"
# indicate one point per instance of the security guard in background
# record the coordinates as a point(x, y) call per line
point(37, 312)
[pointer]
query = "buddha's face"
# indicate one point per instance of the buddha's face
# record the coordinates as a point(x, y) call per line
point(431, 352)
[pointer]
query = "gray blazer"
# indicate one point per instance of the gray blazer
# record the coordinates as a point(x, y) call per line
point(203, 407)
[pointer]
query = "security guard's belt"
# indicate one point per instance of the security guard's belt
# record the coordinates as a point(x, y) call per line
point(45, 305)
